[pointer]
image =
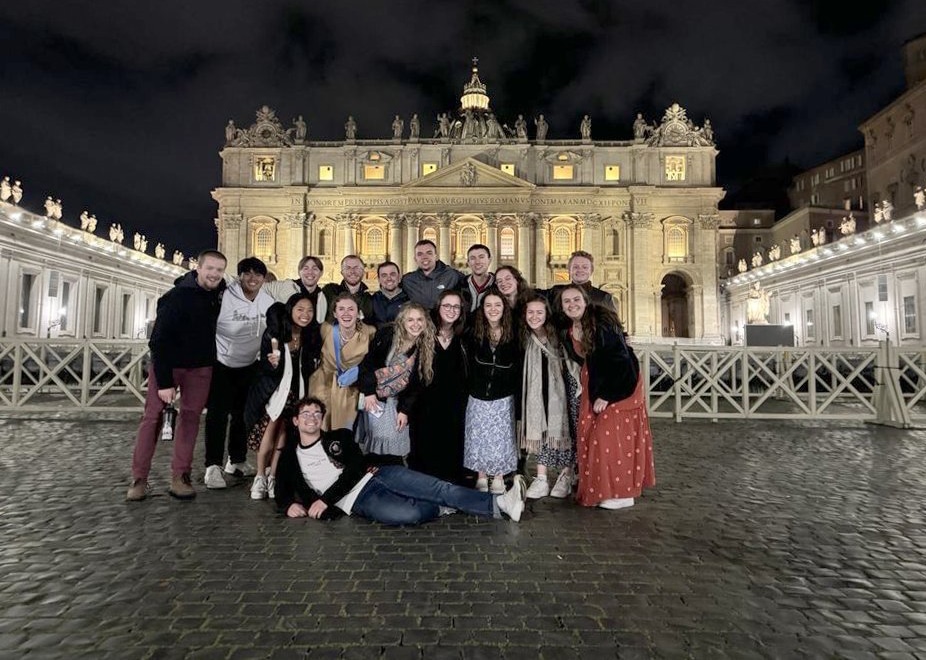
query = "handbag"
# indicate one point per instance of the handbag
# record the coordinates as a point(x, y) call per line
point(348, 377)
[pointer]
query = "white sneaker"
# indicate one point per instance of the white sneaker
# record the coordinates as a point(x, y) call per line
point(482, 485)
point(259, 488)
point(563, 486)
point(512, 502)
point(498, 485)
point(214, 478)
point(616, 503)
point(243, 469)
point(539, 488)
point(271, 485)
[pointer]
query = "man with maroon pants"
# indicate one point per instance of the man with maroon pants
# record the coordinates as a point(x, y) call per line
point(182, 354)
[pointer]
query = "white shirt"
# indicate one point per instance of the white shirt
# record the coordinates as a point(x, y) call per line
point(320, 473)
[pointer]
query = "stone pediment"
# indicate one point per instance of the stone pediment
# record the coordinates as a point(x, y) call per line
point(468, 173)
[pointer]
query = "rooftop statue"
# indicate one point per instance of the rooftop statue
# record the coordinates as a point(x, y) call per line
point(398, 125)
point(49, 207)
point(520, 128)
point(741, 266)
point(542, 128)
point(887, 208)
point(266, 131)
point(494, 130)
point(17, 192)
point(178, 258)
point(140, 242)
point(878, 213)
point(757, 305)
point(443, 126)
point(847, 226)
point(757, 259)
point(6, 190)
point(57, 210)
point(350, 128)
point(301, 128)
point(640, 128)
point(116, 235)
point(795, 244)
point(585, 128)
point(774, 253)
point(230, 132)
point(159, 251)
point(677, 130)
point(414, 127)
point(919, 198)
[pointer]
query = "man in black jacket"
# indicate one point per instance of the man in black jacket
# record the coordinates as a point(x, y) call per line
point(324, 475)
point(581, 266)
point(352, 271)
point(182, 354)
point(390, 297)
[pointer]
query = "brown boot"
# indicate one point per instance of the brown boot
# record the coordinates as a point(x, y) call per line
point(181, 487)
point(138, 490)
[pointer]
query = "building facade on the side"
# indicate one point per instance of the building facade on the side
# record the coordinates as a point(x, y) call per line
point(646, 208)
point(63, 281)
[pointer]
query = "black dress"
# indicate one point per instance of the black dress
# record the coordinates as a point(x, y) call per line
point(438, 418)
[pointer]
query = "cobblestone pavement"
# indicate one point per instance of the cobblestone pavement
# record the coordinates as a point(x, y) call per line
point(762, 539)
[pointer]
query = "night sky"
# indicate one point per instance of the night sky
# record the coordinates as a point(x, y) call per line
point(120, 107)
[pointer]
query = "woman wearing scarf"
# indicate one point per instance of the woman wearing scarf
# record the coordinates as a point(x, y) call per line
point(399, 363)
point(289, 351)
point(345, 342)
point(549, 402)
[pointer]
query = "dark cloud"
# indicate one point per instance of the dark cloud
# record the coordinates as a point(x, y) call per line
point(119, 107)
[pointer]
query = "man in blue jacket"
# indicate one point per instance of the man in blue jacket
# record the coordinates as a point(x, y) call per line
point(182, 354)
point(433, 276)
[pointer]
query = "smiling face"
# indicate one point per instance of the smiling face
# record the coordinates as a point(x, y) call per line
point(506, 283)
point(493, 307)
point(573, 303)
point(580, 270)
point(478, 261)
point(535, 315)
point(389, 278)
point(309, 274)
point(352, 271)
point(210, 271)
point(426, 257)
point(450, 309)
point(309, 419)
point(251, 283)
point(414, 323)
point(346, 313)
point(303, 313)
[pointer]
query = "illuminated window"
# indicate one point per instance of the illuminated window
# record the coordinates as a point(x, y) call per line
point(676, 243)
point(909, 314)
point(612, 172)
point(427, 168)
point(374, 172)
point(264, 169)
point(263, 242)
point(326, 173)
point(675, 168)
point(562, 242)
point(561, 172)
point(429, 234)
point(506, 243)
point(507, 168)
point(375, 243)
point(808, 326)
point(468, 237)
point(63, 303)
point(870, 318)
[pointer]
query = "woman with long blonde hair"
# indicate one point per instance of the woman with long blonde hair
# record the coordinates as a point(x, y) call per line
point(400, 362)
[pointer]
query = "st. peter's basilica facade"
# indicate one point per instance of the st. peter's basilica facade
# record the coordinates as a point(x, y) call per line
point(646, 207)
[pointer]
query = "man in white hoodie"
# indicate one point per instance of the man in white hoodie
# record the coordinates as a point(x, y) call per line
point(241, 323)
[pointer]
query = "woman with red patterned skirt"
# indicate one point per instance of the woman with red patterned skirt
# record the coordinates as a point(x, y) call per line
point(614, 445)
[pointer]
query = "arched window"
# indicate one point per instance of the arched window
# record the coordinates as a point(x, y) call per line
point(430, 234)
point(323, 240)
point(615, 242)
point(506, 243)
point(468, 237)
point(676, 243)
point(375, 243)
point(263, 242)
point(562, 242)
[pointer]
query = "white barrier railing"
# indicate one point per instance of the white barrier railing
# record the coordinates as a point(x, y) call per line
point(682, 382)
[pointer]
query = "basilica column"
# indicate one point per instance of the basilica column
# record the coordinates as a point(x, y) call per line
point(233, 240)
point(491, 220)
point(645, 299)
point(444, 247)
point(396, 234)
point(591, 232)
point(538, 238)
point(709, 317)
point(412, 223)
point(526, 245)
point(347, 227)
point(294, 224)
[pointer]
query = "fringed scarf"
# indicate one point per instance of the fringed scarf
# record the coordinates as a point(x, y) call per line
point(543, 425)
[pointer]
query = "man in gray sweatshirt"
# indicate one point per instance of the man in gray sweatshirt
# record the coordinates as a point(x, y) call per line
point(242, 319)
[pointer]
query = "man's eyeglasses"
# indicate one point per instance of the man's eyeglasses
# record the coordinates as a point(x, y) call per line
point(311, 414)
point(451, 308)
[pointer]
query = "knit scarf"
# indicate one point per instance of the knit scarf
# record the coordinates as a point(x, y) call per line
point(543, 425)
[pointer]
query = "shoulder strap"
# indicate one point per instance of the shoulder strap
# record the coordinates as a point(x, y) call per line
point(337, 346)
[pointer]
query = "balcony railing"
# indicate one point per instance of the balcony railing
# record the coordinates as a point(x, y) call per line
point(682, 381)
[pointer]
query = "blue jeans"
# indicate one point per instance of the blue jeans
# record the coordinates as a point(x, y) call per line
point(399, 496)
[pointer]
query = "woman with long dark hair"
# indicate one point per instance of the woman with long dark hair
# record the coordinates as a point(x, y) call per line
point(399, 363)
point(439, 414)
point(289, 352)
point(614, 444)
point(494, 378)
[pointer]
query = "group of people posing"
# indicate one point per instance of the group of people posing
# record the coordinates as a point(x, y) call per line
point(424, 397)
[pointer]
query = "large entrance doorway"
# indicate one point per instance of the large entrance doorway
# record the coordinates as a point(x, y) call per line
point(675, 306)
